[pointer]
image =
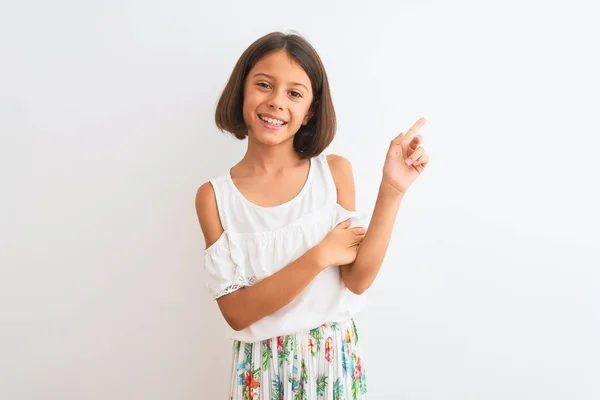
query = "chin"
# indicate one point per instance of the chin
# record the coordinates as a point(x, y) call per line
point(270, 137)
point(268, 140)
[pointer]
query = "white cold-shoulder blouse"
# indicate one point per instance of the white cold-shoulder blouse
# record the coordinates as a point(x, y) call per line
point(258, 241)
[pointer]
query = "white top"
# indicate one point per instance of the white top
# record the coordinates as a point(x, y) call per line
point(258, 241)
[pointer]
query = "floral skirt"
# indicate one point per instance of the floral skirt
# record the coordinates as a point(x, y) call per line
point(323, 364)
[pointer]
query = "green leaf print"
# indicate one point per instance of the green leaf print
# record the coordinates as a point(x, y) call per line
point(363, 384)
point(321, 385)
point(355, 332)
point(277, 389)
point(338, 392)
point(303, 374)
point(285, 352)
point(335, 327)
point(302, 394)
point(294, 347)
point(316, 334)
point(282, 356)
point(354, 389)
point(266, 355)
point(248, 352)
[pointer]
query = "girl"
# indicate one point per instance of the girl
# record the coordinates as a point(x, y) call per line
point(287, 256)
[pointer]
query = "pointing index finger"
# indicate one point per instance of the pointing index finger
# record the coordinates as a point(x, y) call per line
point(414, 129)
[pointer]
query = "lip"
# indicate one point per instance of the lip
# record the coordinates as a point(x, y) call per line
point(272, 117)
point(272, 127)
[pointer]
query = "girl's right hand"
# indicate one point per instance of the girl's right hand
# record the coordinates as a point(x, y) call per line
point(340, 246)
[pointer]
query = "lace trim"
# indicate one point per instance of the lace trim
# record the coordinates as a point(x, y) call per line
point(241, 282)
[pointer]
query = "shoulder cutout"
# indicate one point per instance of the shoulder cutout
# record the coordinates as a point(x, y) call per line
point(341, 170)
point(208, 214)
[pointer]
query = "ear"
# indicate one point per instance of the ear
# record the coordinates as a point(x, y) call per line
point(309, 115)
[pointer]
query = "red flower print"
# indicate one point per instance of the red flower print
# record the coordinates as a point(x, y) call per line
point(251, 384)
point(358, 370)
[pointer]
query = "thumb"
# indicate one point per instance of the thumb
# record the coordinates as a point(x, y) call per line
point(344, 224)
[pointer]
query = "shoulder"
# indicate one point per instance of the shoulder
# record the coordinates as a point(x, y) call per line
point(208, 213)
point(341, 171)
point(205, 197)
point(340, 167)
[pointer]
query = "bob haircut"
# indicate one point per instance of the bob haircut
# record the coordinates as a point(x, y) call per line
point(312, 138)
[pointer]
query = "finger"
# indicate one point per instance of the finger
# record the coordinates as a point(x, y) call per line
point(412, 132)
point(423, 160)
point(416, 142)
point(410, 160)
point(344, 224)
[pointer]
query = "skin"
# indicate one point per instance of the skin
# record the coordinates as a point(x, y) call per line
point(405, 161)
point(271, 173)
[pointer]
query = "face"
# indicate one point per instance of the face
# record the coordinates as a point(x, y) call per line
point(277, 99)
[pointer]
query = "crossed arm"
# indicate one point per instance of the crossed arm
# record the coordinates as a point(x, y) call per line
point(359, 275)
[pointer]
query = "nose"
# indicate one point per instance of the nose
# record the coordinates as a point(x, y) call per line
point(275, 100)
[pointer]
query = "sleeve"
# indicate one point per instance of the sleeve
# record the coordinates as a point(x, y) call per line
point(358, 218)
point(224, 266)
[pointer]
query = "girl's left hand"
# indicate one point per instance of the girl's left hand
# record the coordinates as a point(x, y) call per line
point(405, 160)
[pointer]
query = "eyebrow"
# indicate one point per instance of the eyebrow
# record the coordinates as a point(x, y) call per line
point(270, 77)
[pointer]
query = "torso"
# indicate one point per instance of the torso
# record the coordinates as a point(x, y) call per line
point(263, 234)
point(271, 190)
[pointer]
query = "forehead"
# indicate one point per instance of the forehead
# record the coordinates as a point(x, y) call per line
point(281, 67)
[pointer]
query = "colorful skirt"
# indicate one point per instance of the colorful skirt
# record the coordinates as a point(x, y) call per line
point(322, 364)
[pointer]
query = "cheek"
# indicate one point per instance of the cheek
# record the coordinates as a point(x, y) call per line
point(249, 106)
point(252, 101)
point(299, 112)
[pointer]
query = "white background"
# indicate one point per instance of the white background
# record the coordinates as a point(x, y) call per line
point(490, 288)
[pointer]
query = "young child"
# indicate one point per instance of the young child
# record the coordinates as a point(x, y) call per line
point(287, 256)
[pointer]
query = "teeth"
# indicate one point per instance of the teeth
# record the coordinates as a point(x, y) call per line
point(272, 121)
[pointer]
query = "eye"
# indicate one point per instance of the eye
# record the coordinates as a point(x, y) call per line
point(264, 85)
point(296, 94)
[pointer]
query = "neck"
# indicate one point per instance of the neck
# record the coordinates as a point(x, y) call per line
point(260, 158)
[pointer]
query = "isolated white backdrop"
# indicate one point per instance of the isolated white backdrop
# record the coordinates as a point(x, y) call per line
point(107, 130)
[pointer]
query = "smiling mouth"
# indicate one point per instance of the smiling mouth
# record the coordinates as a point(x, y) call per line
point(271, 121)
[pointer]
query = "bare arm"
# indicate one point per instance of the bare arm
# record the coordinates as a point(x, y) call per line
point(359, 275)
point(247, 305)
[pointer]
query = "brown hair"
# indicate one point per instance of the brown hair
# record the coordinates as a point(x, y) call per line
point(312, 138)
